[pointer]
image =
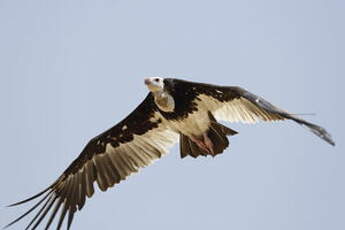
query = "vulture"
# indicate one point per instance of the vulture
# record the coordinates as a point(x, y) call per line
point(173, 111)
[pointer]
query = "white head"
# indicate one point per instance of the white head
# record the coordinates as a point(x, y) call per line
point(155, 84)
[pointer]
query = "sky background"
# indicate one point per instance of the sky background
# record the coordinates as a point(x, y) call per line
point(71, 69)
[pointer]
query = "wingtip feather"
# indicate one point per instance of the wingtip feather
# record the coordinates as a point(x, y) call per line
point(319, 131)
point(30, 198)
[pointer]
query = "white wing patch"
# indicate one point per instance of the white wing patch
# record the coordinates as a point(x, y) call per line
point(117, 163)
point(237, 110)
point(141, 151)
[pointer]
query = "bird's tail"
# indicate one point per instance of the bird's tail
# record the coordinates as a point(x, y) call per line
point(217, 134)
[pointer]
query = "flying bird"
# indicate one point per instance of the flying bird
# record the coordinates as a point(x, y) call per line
point(173, 111)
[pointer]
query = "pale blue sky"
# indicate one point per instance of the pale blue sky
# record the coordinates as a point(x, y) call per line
point(71, 69)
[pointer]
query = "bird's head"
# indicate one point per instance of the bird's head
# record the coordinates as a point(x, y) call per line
point(154, 84)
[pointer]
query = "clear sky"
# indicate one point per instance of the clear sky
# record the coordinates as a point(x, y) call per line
point(71, 69)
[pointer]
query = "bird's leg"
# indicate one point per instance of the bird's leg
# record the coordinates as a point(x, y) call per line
point(199, 143)
point(205, 144)
point(208, 143)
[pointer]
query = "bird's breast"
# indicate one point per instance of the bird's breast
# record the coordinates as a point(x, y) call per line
point(195, 124)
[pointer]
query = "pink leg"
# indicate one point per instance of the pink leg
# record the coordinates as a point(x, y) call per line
point(199, 143)
point(208, 143)
point(205, 144)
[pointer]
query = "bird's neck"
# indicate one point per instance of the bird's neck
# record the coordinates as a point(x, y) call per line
point(164, 101)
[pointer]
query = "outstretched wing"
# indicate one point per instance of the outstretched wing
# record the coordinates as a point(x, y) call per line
point(107, 159)
point(235, 104)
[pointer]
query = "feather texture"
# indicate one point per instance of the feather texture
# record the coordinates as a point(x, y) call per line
point(107, 159)
point(146, 135)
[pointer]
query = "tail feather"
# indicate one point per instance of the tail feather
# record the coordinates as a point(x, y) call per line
point(219, 140)
point(184, 146)
point(217, 133)
point(219, 127)
point(195, 150)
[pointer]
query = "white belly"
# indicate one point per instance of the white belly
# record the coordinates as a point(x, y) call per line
point(195, 124)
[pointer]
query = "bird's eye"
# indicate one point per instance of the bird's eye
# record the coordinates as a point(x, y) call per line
point(156, 80)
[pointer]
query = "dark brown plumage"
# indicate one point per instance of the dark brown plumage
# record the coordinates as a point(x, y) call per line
point(147, 134)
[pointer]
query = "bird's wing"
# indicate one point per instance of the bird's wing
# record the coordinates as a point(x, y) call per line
point(235, 104)
point(109, 158)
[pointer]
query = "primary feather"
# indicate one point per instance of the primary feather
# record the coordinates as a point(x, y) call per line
point(173, 110)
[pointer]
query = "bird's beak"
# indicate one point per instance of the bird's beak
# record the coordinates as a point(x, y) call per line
point(147, 81)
